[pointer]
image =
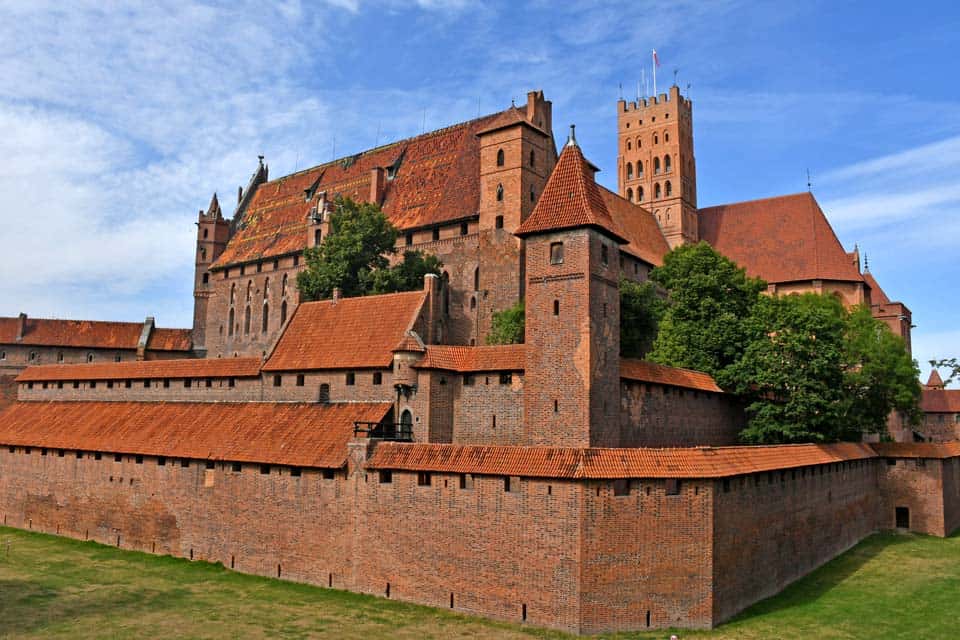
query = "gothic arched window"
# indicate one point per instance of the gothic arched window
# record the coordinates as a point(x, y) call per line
point(666, 164)
point(629, 171)
point(500, 157)
point(639, 194)
point(500, 193)
point(656, 191)
point(283, 286)
point(265, 323)
point(668, 188)
point(656, 166)
point(283, 313)
point(639, 169)
point(233, 292)
point(630, 195)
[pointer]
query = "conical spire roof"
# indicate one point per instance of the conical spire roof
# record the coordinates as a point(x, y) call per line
point(214, 208)
point(571, 198)
point(935, 381)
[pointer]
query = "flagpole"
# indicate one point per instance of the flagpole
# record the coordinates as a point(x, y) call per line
point(643, 79)
point(654, 60)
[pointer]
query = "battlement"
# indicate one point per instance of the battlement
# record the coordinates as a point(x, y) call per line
point(673, 96)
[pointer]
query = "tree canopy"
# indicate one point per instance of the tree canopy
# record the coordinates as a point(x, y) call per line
point(507, 326)
point(641, 309)
point(709, 300)
point(354, 256)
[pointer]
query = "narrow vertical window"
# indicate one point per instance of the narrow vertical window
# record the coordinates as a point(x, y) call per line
point(499, 193)
point(500, 157)
point(556, 253)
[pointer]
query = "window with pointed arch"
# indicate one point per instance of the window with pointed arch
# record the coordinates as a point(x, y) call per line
point(666, 164)
point(283, 286)
point(639, 194)
point(656, 191)
point(668, 188)
point(500, 192)
point(249, 289)
point(283, 313)
point(500, 157)
point(265, 322)
point(639, 169)
point(656, 166)
point(233, 292)
point(266, 287)
point(630, 195)
point(629, 171)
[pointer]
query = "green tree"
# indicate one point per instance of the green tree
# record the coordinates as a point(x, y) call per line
point(880, 376)
point(709, 300)
point(791, 373)
point(507, 326)
point(354, 256)
point(641, 308)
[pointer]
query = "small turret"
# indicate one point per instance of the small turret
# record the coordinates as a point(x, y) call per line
point(405, 355)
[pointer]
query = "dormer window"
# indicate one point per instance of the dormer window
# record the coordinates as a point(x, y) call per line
point(556, 253)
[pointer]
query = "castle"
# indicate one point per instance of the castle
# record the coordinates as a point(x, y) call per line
point(373, 444)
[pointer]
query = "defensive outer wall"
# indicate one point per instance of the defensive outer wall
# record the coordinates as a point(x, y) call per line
point(581, 554)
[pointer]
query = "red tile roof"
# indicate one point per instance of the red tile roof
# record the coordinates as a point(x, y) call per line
point(639, 227)
point(935, 380)
point(643, 371)
point(549, 462)
point(509, 357)
point(572, 198)
point(782, 239)
point(152, 369)
point(917, 449)
point(940, 400)
point(8, 391)
point(877, 295)
point(305, 435)
point(170, 340)
point(91, 334)
point(351, 333)
point(438, 181)
point(411, 342)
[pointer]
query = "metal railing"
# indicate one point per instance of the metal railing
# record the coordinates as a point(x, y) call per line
point(384, 430)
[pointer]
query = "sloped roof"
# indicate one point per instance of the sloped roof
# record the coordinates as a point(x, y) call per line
point(935, 380)
point(644, 238)
point(348, 334)
point(146, 369)
point(438, 180)
point(508, 357)
point(940, 400)
point(781, 239)
point(877, 295)
point(917, 449)
point(295, 434)
point(92, 334)
point(411, 342)
point(572, 198)
point(643, 371)
point(555, 462)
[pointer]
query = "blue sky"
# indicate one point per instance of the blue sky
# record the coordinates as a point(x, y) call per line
point(120, 122)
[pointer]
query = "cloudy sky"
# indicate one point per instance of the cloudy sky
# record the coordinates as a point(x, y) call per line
point(121, 121)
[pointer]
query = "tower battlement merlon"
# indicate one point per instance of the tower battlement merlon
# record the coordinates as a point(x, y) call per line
point(673, 96)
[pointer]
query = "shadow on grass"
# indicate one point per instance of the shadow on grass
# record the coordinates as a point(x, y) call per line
point(828, 576)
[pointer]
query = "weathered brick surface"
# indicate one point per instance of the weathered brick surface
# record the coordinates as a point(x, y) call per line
point(771, 528)
point(929, 488)
point(654, 415)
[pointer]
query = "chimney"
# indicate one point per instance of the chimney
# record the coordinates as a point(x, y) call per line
point(336, 295)
point(148, 325)
point(21, 326)
point(539, 111)
point(378, 184)
point(433, 285)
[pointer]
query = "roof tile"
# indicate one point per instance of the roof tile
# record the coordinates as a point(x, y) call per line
point(295, 434)
point(146, 369)
point(639, 227)
point(91, 334)
point(643, 371)
point(940, 401)
point(509, 357)
point(917, 449)
point(347, 334)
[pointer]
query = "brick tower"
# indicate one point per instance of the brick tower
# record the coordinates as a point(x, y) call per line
point(655, 162)
point(572, 379)
point(213, 232)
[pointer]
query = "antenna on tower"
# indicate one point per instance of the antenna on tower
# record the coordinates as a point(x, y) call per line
point(866, 262)
point(809, 183)
point(675, 72)
point(688, 90)
point(621, 91)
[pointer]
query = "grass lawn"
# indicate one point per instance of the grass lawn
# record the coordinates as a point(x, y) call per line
point(890, 586)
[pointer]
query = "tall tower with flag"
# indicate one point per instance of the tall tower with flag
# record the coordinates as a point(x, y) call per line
point(656, 167)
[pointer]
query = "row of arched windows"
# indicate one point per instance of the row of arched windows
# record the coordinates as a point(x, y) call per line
point(665, 167)
point(501, 158)
point(639, 141)
point(665, 192)
point(234, 328)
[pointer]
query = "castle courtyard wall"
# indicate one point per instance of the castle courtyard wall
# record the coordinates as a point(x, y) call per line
point(772, 528)
point(654, 415)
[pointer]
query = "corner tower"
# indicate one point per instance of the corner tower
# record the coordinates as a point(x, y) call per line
point(572, 377)
point(213, 232)
point(655, 162)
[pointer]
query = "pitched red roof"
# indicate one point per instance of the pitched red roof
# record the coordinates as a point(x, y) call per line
point(508, 357)
point(940, 400)
point(550, 462)
point(917, 449)
point(877, 295)
point(295, 434)
point(935, 380)
point(643, 371)
point(91, 334)
point(782, 239)
point(348, 334)
point(572, 198)
point(437, 181)
point(411, 342)
point(170, 340)
point(644, 238)
point(146, 369)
